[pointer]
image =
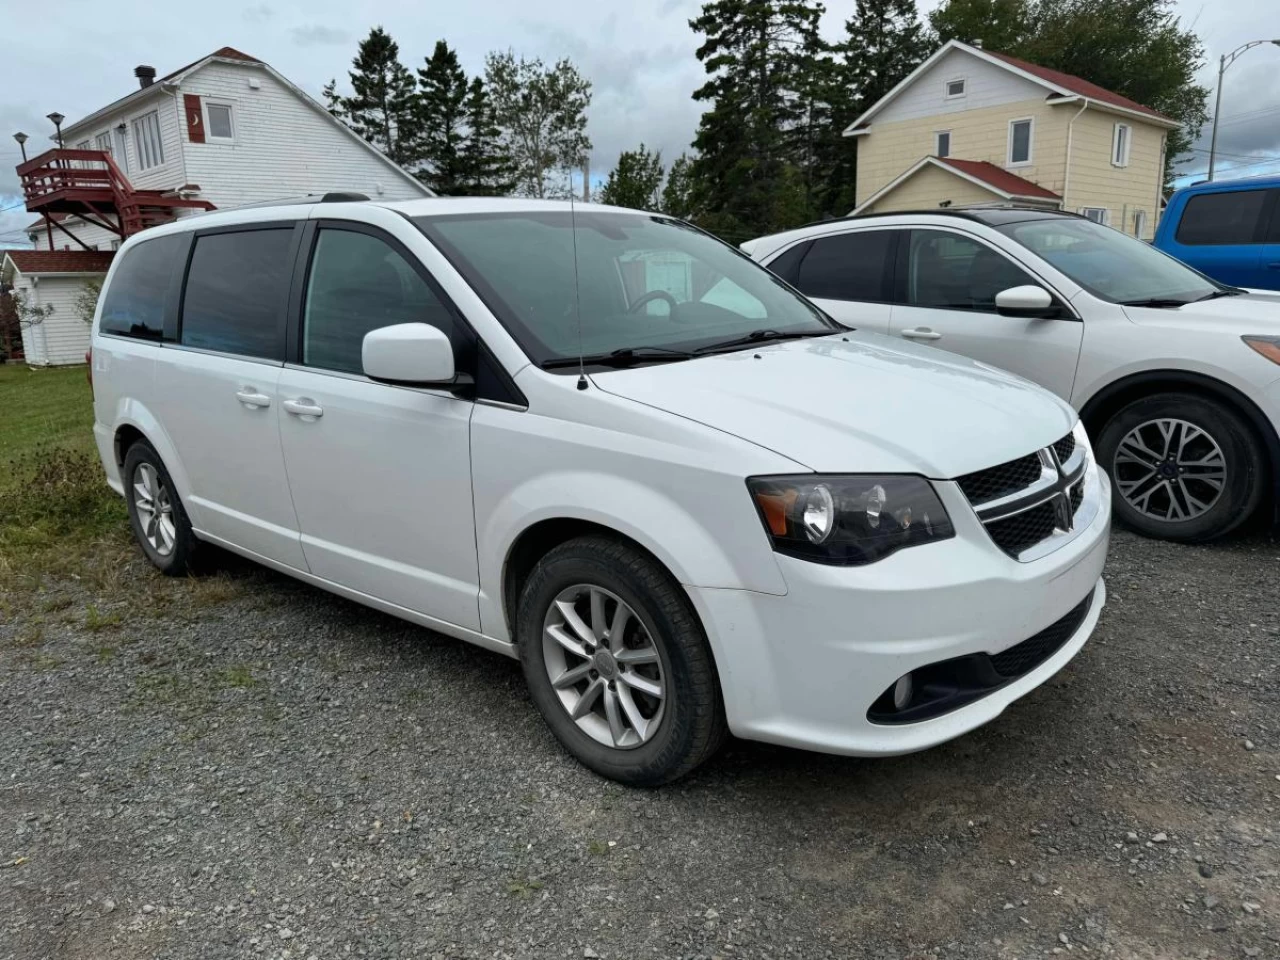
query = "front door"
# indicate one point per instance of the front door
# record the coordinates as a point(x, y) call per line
point(380, 475)
point(947, 286)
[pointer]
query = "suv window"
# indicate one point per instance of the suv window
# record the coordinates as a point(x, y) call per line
point(1218, 218)
point(954, 272)
point(134, 303)
point(236, 292)
point(787, 266)
point(848, 266)
point(360, 283)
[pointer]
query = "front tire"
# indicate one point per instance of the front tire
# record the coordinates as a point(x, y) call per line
point(159, 522)
point(617, 663)
point(1183, 467)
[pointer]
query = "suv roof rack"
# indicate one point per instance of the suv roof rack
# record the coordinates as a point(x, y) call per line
point(343, 196)
point(962, 213)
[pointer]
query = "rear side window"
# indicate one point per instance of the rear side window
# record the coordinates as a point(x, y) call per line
point(849, 266)
point(787, 266)
point(1218, 218)
point(236, 292)
point(134, 304)
point(360, 283)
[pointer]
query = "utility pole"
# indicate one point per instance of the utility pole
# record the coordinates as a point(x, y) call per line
point(1223, 62)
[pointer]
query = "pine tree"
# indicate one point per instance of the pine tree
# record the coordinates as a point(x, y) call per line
point(383, 102)
point(636, 181)
point(487, 170)
point(441, 113)
point(759, 55)
point(678, 194)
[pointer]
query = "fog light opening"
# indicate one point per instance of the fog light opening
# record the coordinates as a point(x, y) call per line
point(903, 691)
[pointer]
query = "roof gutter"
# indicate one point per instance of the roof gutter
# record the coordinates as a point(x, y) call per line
point(1066, 167)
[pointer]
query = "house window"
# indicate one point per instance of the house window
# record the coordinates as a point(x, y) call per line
point(1139, 223)
point(218, 125)
point(103, 141)
point(1120, 145)
point(942, 148)
point(955, 89)
point(83, 145)
point(1096, 214)
point(146, 141)
point(1019, 142)
point(121, 151)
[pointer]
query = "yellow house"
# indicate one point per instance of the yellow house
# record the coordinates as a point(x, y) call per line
point(971, 127)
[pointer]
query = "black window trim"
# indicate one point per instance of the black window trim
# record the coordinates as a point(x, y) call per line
point(1268, 218)
point(1067, 311)
point(501, 387)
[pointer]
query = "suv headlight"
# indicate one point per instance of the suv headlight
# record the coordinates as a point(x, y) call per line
point(849, 520)
point(1268, 347)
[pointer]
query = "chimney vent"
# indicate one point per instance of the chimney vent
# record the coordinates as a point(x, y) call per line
point(977, 43)
point(146, 75)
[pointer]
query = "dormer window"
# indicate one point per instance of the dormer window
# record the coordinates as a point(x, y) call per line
point(955, 88)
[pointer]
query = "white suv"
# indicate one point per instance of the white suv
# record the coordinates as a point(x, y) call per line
point(1174, 374)
point(605, 443)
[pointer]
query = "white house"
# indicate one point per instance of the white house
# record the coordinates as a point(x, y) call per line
point(224, 131)
point(49, 284)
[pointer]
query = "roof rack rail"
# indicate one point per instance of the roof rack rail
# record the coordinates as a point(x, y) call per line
point(343, 196)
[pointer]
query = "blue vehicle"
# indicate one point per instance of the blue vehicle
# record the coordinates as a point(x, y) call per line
point(1228, 230)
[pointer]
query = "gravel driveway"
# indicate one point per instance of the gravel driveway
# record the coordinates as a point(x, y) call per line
point(279, 773)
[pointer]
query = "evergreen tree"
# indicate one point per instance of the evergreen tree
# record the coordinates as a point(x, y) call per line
point(678, 194)
point(487, 170)
point(441, 114)
point(1003, 25)
point(759, 55)
point(636, 181)
point(384, 96)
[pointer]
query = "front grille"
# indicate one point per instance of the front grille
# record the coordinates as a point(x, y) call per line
point(1023, 530)
point(1030, 653)
point(1077, 497)
point(1065, 447)
point(984, 486)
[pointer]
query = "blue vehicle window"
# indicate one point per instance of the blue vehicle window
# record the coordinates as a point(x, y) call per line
point(1230, 217)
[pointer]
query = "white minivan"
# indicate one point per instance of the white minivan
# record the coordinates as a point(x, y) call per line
point(605, 443)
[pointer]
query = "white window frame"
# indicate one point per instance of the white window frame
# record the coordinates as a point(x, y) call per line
point(121, 151)
point(148, 158)
point(103, 142)
point(964, 88)
point(1120, 151)
point(1104, 220)
point(205, 104)
point(1139, 223)
point(937, 143)
point(1031, 141)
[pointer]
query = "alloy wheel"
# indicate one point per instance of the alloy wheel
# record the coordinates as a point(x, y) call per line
point(154, 506)
point(604, 666)
point(1170, 470)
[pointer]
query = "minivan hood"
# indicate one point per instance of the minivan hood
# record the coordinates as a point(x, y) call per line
point(857, 403)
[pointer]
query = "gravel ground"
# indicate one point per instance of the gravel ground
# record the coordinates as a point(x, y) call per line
point(279, 773)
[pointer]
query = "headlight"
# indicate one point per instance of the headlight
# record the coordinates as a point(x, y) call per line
point(1269, 347)
point(848, 520)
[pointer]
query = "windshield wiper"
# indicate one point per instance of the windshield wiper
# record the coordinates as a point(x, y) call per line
point(1224, 292)
point(760, 336)
point(1156, 302)
point(625, 357)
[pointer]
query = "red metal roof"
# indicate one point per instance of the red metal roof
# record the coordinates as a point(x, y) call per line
point(60, 261)
point(1000, 179)
point(1077, 85)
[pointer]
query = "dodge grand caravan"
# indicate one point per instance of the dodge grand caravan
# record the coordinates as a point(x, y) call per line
point(607, 444)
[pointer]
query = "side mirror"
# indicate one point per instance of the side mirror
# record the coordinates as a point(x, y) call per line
point(1030, 302)
point(411, 354)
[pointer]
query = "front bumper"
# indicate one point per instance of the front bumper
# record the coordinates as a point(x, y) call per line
point(804, 669)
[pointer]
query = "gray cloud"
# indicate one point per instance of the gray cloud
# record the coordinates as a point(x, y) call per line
point(260, 13)
point(315, 35)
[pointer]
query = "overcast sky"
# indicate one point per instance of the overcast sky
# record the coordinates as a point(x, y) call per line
point(74, 57)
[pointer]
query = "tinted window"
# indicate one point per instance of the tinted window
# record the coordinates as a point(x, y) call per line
point(1210, 218)
point(134, 303)
point(850, 266)
point(787, 266)
point(953, 272)
point(236, 290)
point(359, 283)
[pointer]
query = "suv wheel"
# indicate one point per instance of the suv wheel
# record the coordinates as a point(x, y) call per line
point(617, 663)
point(1183, 467)
point(159, 522)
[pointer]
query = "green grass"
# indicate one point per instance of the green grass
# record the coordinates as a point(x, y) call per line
point(42, 408)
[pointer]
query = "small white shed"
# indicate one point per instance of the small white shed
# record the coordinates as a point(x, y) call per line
point(50, 284)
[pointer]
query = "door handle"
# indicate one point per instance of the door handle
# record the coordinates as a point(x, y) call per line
point(250, 397)
point(303, 407)
point(921, 333)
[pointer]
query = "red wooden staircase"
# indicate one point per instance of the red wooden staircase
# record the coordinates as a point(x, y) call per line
point(88, 184)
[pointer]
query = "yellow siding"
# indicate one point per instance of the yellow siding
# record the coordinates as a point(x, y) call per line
point(1095, 182)
point(927, 188)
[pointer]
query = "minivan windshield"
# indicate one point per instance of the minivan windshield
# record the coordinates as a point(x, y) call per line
point(1110, 264)
point(648, 288)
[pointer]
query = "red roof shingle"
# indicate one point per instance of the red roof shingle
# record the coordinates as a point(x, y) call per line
point(1001, 180)
point(60, 261)
point(1078, 85)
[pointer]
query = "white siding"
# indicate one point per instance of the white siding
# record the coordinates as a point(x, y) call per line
point(986, 85)
point(96, 237)
point(283, 146)
point(62, 337)
point(165, 176)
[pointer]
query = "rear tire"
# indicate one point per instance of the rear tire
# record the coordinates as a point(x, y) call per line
point(568, 625)
point(159, 522)
point(1183, 467)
